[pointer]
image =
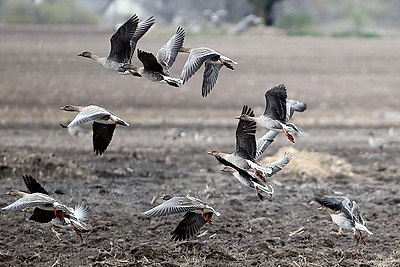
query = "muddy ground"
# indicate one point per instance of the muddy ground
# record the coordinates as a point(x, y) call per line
point(350, 86)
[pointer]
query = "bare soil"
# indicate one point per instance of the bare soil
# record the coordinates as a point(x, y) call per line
point(350, 86)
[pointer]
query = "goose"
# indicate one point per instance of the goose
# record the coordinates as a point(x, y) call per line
point(243, 157)
point(250, 181)
point(275, 114)
point(45, 209)
point(213, 61)
point(197, 214)
point(266, 140)
point(256, 183)
point(379, 144)
point(123, 44)
point(345, 214)
point(156, 68)
point(104, 123)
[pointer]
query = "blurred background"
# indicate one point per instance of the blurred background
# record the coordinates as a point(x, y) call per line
point(368, 18)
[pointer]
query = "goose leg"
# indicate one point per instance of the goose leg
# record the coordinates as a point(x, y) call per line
point(288, 135)
point(72, 225)
point(361, 239)
point(261, 197)
point(259, 175)
point(226, 64)
point(205, 216)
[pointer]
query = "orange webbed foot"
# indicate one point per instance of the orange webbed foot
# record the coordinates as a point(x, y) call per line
point(288, 135)
point(259, 175)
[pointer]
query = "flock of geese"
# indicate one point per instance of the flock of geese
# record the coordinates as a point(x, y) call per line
point(39, 206)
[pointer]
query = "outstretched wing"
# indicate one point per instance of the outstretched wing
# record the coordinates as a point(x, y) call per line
point(173, 206)
point(141, 29)
point(42, 216)
point(278, 165)
point(275, 103)
point(334, 203)
point(197, 57)
point(292, 106)
point(246, 136)
point(30, 201)
point(102, 135)
point(210, 77)
point(189, 225)
point(120, 41)
point(89, 113)
point(33, 185)
point(167, 54)
point(149, 61)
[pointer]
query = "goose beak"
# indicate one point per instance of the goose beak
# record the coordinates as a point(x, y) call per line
point(237, 117)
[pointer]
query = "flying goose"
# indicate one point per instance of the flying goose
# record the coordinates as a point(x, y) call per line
point(256, 183)
point(243, 157)
point(45, 209)
point(123, 44)
point(104, 123)
point(266, 140)
point(213, 62)
point(345, 214)
point(197, 214)
point(275, 114)
point(156, 68)
point(250, 181)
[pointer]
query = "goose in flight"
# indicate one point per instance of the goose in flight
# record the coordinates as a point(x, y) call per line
point(256, 183)
point(45, 209)
point(123, 44)
point(345, 214)
point(275, 114)
point(104, 123)
point(266, 140)
point(197, 214)
point(157, 68)
point(243, 157)
point(213, 61)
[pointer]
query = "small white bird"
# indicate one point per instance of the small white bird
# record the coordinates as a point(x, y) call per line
point(345, 214)
point(379, 144)
point(197, 214)
point(104, 123)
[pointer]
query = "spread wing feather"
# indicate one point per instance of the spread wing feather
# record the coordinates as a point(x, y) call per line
point(246, 136)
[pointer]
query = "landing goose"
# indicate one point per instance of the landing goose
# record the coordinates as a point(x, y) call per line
point(256, 183)
point(156, 68)
point(104, 123)
point(44, 209)
point(266, 140)
point(243, 157)
point(213, 62)
point(275, 114)
point(345, 214)
point(197, 214)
